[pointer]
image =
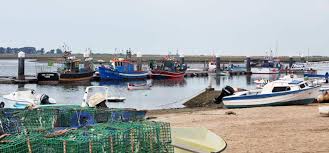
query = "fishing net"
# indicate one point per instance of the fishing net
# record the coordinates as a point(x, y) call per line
point(75, 130)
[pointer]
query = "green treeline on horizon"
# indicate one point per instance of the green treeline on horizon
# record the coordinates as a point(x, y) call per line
point(29, 50)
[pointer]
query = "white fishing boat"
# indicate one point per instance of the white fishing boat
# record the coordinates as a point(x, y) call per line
point(144, 86)
point(323, 65)
point(196, 140)
point(24, 98)
point(97, 96)
point(280, 92)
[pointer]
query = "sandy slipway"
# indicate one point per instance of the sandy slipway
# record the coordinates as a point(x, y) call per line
point(261, 129)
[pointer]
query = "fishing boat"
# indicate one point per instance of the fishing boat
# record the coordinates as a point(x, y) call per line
point(169, 69)
point(144, 86)
point(73, 71)
point(24, 98)
point(121, 69)
point(196, 140)
point(49, 78)
point(268, 65)
point(280, 92)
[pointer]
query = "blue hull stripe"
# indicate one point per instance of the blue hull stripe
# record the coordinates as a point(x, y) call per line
point(296, 102)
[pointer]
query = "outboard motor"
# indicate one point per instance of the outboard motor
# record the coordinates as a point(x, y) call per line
point(102, 104)
point(227, 91)
point(44, 100)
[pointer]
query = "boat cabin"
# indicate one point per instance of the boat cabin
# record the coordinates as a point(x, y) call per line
point(122, 65)
point(284, 85)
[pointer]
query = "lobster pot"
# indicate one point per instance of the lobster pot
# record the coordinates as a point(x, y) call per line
point(9, 122)
point(38, 119)
point(19, 143)
point(147, 136)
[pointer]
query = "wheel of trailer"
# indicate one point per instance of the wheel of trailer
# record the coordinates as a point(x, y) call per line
point(2, 104)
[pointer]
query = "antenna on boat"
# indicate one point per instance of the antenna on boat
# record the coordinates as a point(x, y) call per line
point(276, 47)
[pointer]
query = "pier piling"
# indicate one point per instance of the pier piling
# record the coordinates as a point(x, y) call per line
point(217, 64)
point(182, 59)
point(21, 66)
point(248, 66)
point(291, 61)
point(139, 61)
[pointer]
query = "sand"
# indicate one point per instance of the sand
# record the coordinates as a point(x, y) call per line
point(262, 129)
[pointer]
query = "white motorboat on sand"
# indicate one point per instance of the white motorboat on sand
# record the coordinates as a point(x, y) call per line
point(280, 92)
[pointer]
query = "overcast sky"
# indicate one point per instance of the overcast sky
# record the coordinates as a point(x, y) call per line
point(226, 27)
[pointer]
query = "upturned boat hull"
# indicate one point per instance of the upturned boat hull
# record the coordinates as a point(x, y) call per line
point(196, 140)
point(298, 97)
point(324, 110)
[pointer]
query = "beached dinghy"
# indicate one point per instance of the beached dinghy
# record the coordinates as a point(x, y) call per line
point(276, 93)
point(196, 140)
point(24, 98)
point(144, 86)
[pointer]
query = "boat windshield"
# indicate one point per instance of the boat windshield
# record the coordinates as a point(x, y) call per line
point(280, 89)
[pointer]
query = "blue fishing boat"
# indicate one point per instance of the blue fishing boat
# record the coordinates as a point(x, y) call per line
point(121, 69)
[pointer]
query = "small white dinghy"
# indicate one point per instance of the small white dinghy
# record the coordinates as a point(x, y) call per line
point(196, 140)
point(144, 86)
point(24, 98)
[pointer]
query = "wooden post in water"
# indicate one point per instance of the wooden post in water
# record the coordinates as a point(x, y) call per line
point(21, 66)
point(139, 61)
point(248, 66)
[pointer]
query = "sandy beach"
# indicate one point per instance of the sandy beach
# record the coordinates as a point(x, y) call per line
point(262, 129)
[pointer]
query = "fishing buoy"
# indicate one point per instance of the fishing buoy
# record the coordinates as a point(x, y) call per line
point(320, 98)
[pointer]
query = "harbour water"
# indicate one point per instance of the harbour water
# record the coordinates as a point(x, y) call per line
point(163, 94)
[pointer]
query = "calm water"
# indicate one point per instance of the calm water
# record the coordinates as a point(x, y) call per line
point(164, 93)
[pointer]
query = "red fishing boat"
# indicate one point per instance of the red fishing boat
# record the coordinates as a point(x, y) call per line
point(169, 68)
point(162, 74)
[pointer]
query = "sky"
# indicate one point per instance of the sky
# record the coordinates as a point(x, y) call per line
point(191, 27)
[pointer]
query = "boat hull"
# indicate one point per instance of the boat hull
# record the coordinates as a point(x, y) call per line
point(140, 87)
point(324, 110)
point(48, 78)
point(76, 77)
point(196, 139)
point(262, 70)
point(299, 97)
point(107, 74)
point(155, 74)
